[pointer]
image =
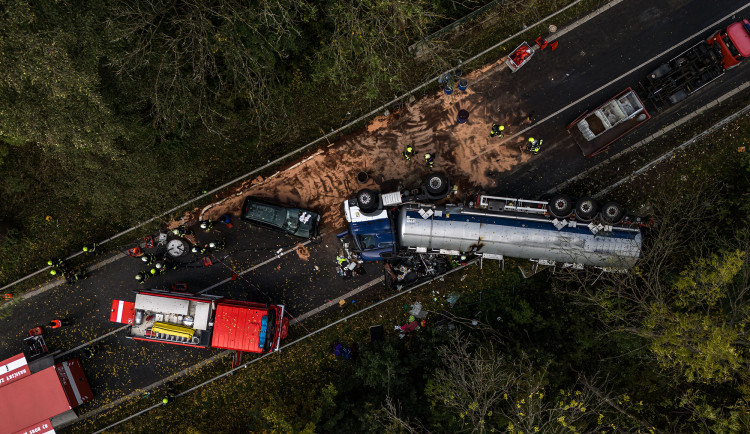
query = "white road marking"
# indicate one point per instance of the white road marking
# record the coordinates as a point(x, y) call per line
point(671, 152)
point(599, 89)
point(648, 139)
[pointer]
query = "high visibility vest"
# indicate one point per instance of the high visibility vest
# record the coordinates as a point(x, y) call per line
point(340, 259)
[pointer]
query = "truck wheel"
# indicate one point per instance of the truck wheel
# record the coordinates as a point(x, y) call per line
point(437, 184)
point(560, 206)
point(612, 213)
point(586, 209)
point(367, 200)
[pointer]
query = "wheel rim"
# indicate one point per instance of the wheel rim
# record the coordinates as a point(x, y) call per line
point(436, 182)
point(365, 199)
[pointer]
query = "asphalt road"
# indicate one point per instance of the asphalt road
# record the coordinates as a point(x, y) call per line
point(595, 55)
point(591, 56)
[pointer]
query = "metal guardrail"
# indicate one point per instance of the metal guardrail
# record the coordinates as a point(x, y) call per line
point(366, 116)
point(466, 18)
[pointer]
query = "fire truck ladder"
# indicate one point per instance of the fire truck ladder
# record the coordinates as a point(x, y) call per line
point(172, 338)
point(508, 204)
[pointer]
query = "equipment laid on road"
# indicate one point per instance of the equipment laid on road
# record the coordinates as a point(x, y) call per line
point(202, 321)
point(519, 57)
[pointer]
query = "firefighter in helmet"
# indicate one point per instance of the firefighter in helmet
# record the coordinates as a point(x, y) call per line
point(534, 145)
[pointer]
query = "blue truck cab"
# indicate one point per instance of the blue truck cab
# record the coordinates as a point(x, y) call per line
point(372, 235)
point(371, 217)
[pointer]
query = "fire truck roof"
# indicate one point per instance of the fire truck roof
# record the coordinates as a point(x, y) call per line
point(32, 399)
point(239, 327)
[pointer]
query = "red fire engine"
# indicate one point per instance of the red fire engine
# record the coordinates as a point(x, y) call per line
point(203, 321)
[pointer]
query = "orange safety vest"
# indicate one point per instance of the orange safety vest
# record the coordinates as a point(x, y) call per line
point(56, 323)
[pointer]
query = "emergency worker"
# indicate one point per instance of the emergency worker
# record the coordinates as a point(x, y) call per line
point(497, 130)
point(409, 152)
point(207, 225)
point(429, 159)
point(217, 245)
point(534, 145)
point(142, 277)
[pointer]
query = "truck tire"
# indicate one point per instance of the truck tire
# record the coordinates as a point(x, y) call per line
point(586, 209)
point(437, 184)
point(367, 200)
point(560, 206)
point(612, 213)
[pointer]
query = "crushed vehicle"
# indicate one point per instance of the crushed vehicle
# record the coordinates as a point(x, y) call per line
point(293, 221)
point(409, 268)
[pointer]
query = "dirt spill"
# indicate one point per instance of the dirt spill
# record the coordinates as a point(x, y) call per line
point(324, 181)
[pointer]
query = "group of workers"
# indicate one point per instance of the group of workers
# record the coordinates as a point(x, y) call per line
point(158, 266)
point(162, 264)
point(71, 275)
point(411, 152)
point(496, 130)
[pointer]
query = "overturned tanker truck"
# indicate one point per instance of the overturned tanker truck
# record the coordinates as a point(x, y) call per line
point(561, 232)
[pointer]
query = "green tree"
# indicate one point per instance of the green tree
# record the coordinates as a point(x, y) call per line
point(697, 334)
point(49, 84)
point(199, 60)
point(365, 48)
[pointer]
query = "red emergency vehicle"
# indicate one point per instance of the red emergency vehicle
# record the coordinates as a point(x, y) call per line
point(35, 396)
point(202, 321)
point(734, 43)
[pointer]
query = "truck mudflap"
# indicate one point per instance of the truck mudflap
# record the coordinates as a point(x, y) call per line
point(284, 328)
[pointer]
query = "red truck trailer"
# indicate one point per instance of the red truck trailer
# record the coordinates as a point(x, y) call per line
point(202, 321)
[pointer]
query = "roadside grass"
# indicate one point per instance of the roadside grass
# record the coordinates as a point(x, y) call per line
point(150, 176)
